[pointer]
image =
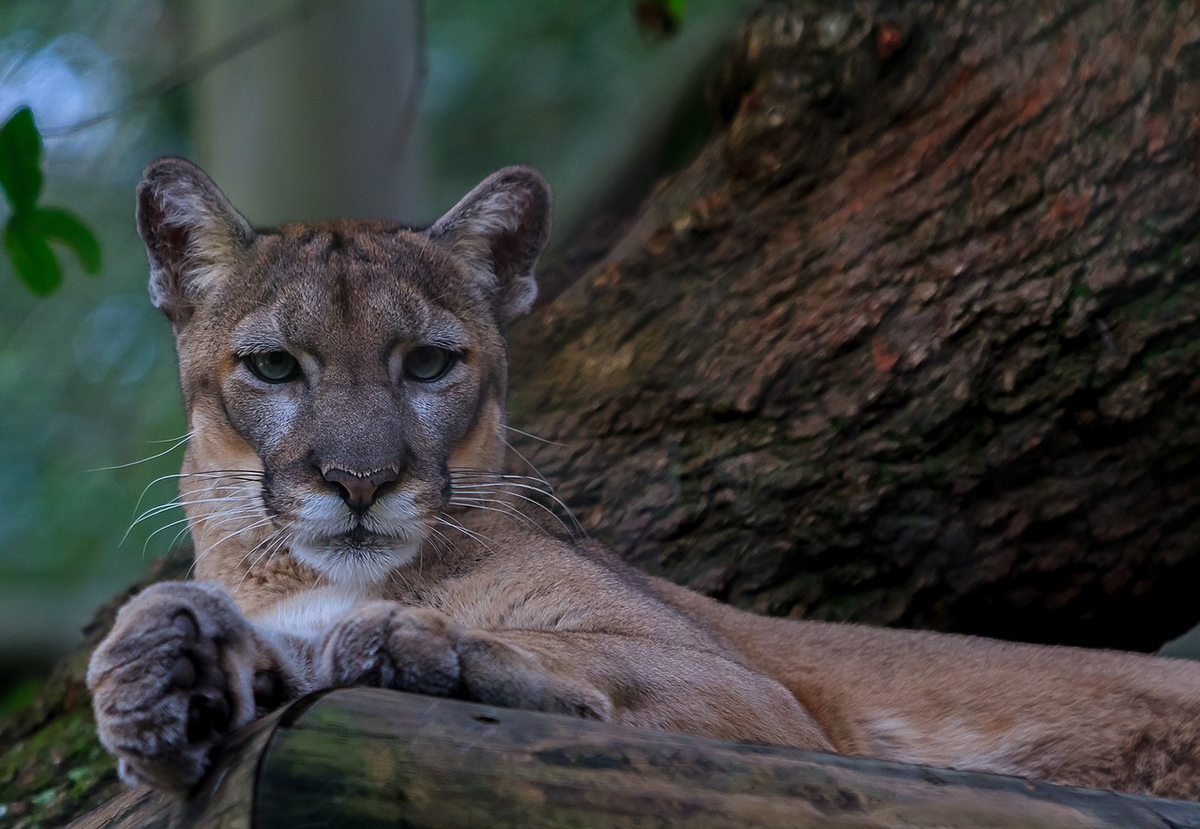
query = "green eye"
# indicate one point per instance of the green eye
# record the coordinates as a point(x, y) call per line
point(428, 363)
point(274, 366)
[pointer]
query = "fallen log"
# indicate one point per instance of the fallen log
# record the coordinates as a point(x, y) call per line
point(366, 757)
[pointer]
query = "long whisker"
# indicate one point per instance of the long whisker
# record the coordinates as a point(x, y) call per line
point(532, 436)
point(223, 517)
point(447, 521)
point(466, 472)
point(184, 529)
point(526, 460)
point(498, 479)
point(531, 480)
point(440, 542)
point(278, 548)
point(488, 496)
point(262, 522)
point(146, 543)
point(492, 505)
point(505, 486)
point(187, 502)
point(243, 499)
point(185, 436)
point(267, 546)
point(216, 518)
point(217, 475)
point(175, 541)
point(177, 442)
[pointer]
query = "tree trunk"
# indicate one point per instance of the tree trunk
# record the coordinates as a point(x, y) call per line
point(316, 120)
point(914, 341)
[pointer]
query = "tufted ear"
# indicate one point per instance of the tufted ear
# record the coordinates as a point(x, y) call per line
point(499, 229)
point(189, 229)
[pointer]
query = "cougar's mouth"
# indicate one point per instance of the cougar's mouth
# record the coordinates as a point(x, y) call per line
point(359, 536)
point(366, 535)
point(358, 556)
point(357, 548)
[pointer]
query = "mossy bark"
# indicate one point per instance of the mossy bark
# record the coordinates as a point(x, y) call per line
point(52, 767)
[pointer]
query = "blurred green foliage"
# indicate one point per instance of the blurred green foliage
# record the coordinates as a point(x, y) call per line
point(31, 228)
point(580, 90)
point(87, 379)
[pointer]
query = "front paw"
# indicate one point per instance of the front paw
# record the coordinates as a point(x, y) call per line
point(175, 675)
point(388, 645)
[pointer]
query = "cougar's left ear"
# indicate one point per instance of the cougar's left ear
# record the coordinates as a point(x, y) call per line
point(499, 229)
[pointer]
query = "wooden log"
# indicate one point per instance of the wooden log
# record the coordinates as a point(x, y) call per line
point(366, 757)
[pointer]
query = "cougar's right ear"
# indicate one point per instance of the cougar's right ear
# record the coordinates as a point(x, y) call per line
point(190, 230)
point(498, 230)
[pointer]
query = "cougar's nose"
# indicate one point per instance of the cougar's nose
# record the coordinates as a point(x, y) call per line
point(359, 489)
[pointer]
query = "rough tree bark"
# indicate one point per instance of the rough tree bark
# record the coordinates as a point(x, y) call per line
point(914, 341)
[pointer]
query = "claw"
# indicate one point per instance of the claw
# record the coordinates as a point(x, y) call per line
point(183, 674)
point(267, 690)
point(199, 724)
point(222, 713)
point(185, 625)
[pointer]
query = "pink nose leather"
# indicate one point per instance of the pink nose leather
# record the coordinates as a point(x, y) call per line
point(359, 490)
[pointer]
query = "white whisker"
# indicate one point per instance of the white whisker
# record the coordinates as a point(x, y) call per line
point(185, 502)
point(532, 436)
point(262, 522)
point(177, 442)
point(497, 506)
point(184, 437)
point(232, 474)
point(217, 518)
point(504, 486)
point(267, 545)
point(447, 521)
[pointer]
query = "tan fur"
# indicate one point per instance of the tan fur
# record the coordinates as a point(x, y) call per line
point(483, 595)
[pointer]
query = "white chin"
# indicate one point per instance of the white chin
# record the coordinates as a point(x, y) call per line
point(356, 566)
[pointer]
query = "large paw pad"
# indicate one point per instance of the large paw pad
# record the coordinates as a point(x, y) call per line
point(167, 681)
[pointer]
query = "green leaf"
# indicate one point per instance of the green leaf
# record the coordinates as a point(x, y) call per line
point(31, 255)
point(21, 160)
point(59, 225)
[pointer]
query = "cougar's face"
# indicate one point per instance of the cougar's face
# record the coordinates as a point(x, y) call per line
point(336, 373)
point(355, 366)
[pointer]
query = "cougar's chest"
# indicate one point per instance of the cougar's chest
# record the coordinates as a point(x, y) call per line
point(310, 612)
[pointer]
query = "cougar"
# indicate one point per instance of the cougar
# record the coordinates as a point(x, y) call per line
point(353, 524)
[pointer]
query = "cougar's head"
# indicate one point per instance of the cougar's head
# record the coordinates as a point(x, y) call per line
point(334, 373)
